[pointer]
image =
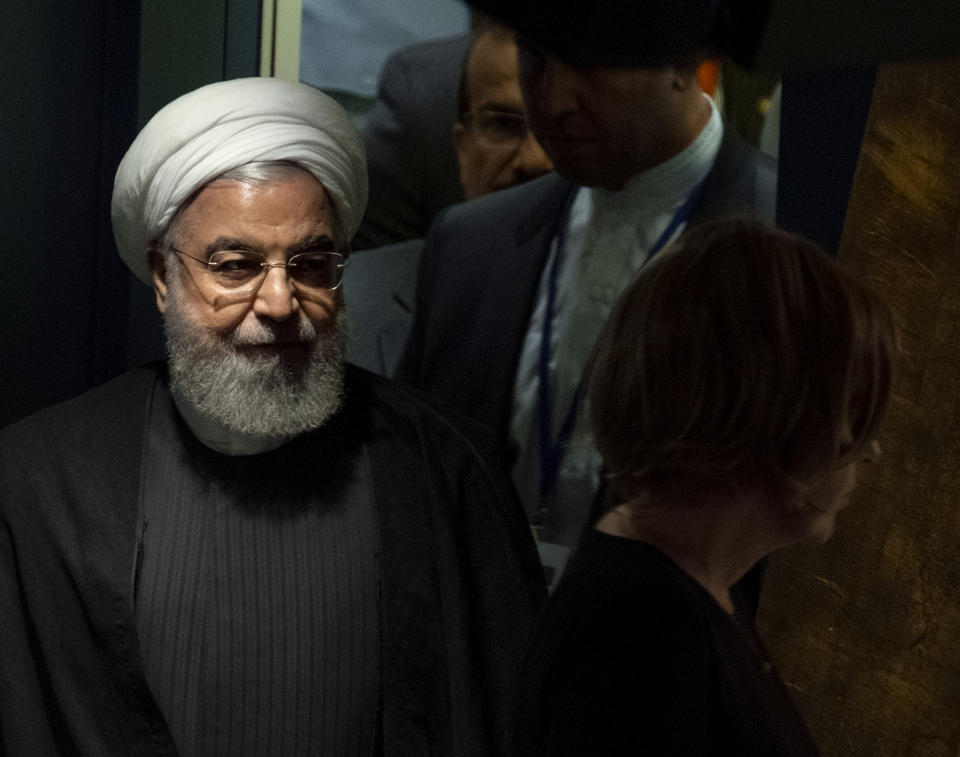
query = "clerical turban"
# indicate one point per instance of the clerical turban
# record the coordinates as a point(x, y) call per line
point(222, 126)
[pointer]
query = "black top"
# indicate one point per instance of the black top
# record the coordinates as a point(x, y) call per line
point(632, 656)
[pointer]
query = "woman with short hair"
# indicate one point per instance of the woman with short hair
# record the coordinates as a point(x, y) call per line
point(736, 387)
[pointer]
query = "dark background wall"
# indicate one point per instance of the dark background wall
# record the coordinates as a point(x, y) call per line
point(865, 628)
point(822, 117)
point(74, 93)
point(69, 106)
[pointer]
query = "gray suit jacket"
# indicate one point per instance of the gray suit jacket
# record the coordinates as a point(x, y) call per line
point(410, 156)
point(481, 266)
point(379, 289)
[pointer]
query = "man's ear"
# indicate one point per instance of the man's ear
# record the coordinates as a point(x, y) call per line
point(158, 269)
point(686, 75)
point(459, 135)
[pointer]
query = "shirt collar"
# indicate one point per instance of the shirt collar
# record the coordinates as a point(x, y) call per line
point(669, 182)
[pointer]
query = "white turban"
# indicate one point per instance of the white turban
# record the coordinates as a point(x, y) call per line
point(223, 126)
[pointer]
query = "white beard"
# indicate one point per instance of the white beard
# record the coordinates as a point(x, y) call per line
point(264, 394)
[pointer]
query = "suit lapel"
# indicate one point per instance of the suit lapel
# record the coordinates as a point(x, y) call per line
point(511, 301)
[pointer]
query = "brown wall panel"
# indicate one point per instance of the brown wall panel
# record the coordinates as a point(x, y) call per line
point(866, 629)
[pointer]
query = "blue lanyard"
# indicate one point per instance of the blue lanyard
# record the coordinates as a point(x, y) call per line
point(552, 449)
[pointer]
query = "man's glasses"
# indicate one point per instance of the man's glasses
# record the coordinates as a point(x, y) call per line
point(241, 272)
point(498, 128)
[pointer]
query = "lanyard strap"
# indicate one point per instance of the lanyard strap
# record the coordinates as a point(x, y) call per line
point(552, 449)
point(551, 452)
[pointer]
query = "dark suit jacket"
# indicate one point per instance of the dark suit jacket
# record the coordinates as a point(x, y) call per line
point(411, 160)
point(459, 578)
point(481, 266)
point(379, 289)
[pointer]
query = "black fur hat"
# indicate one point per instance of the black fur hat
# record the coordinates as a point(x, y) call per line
point(635, 32)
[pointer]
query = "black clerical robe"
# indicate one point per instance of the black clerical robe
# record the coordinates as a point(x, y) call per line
point(459, 578)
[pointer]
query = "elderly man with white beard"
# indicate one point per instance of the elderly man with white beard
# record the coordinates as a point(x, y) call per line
point(254, 549)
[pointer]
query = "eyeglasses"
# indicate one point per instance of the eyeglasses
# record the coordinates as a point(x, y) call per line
point(242, 272)
point(498, 128)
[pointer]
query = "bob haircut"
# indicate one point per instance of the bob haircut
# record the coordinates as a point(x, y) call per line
point(741, 358)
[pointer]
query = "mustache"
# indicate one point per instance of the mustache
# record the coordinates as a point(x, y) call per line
point(256, 333)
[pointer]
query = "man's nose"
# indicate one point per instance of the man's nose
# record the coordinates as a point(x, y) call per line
point(276, 297)
point(530, 160)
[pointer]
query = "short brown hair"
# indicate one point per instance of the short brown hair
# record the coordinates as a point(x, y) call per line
point(741, 356)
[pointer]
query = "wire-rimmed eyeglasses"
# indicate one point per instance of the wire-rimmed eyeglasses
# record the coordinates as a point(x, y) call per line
point(242, 271)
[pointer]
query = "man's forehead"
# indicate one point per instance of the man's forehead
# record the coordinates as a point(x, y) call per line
point(492, 70)
point(245, 183)
point(312, 242)
point(308, 185)
point(226, 207)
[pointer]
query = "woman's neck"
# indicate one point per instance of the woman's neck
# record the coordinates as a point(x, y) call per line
point(713, 543)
